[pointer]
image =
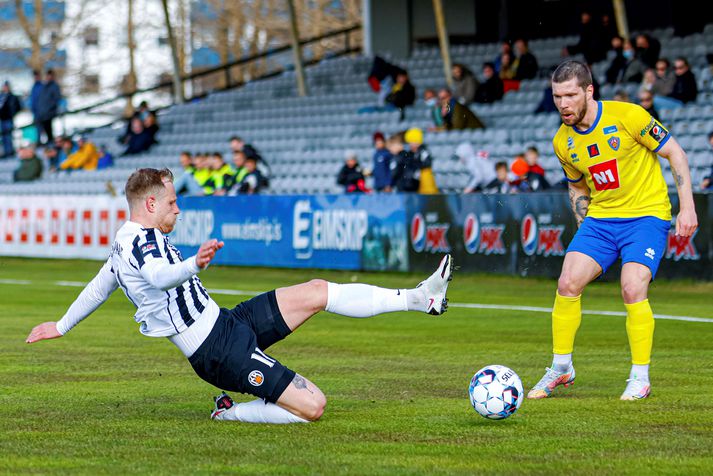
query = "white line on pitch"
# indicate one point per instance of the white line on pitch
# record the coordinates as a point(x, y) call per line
point(464, 305)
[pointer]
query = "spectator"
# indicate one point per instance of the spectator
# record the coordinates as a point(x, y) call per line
point(106, 158)
point(143, 111)
point(52, 157)
point(665, 78)
point(648, 49)
point(456, 115)
point(381, 170)
point(254, 180)
point(406, 174)
point(382, 77)
point(186, 184)
point(221, 175)
point(34, 100)
point(520, 169)
point(634, 70)
point(86, 156)
point(535, 174)
point(685, 88)
point(618, 64)
point(505, 51)
point(402, 93)
point(351, 176)
point(48, 105)
point(427, 183)
point(621, 95)
point(238, 144)
point(477, 165)
point(500, 184)
point(491, 89)
point(151, 126)
point(464, 84)
point(507, 68)
point(238, 167)
point(646, 100)
point(434, 110)
point(203, 170)
point(525, 63)
point(66, 148)
point(592, 41)
point(9, 107)
point(30, 165)
point(139, 140)
point(707, 183)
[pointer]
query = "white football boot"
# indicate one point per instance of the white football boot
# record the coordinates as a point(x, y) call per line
point(636, 389)
point(436, 285)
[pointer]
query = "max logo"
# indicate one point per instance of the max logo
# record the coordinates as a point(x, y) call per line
point(681, 247)
point(540, 239)
point(485, 239)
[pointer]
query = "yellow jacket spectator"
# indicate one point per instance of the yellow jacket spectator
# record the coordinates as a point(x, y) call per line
point(86, 157)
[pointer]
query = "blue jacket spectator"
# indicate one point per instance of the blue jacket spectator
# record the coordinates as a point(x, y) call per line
point(35, 93)
point(9, 107)
point(47, 106)
point(381, 170)
point(140, 139)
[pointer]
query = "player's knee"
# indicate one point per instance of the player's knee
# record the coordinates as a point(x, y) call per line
point(633, 291)
point(318, 293)
point(315, 407)
point(569, 286)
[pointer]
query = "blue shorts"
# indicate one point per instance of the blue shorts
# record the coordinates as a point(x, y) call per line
point(637, 240)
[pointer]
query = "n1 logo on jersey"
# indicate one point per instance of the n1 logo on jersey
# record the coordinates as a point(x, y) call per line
point(605, 175)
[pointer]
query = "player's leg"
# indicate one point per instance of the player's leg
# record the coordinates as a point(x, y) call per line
point(643, 245)
point(578, 270)
point(300, 302)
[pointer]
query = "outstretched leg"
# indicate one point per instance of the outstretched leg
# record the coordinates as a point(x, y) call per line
point(300, 302)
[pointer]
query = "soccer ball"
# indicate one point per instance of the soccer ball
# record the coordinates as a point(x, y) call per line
point(496, 392)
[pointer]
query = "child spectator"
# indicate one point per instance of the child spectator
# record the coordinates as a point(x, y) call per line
point(500, 184)
point(381, 170)
point(406, 174)
point(535, 174)
point(351, 176)
point(414, 139)
point(477, 165)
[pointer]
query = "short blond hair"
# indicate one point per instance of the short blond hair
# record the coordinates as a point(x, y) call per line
point(145, 182)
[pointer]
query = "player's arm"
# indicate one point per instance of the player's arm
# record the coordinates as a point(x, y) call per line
point(160, 273)
point(92, 296)
point(579, 198)
point(687, 221)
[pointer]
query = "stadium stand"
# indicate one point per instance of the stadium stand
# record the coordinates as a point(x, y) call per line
point(304, 139)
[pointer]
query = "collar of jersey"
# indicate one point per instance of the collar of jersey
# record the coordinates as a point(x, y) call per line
point(596, 121)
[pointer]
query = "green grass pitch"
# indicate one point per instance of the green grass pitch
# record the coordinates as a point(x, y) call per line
point(106, 400)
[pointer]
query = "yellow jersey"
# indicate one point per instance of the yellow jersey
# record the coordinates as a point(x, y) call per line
point(617, 158)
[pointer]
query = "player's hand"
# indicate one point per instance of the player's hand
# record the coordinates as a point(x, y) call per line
point(686, 222)
point(46, 330)
point(207, 252)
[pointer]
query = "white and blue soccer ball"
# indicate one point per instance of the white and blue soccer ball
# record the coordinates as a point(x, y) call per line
point(496, 392)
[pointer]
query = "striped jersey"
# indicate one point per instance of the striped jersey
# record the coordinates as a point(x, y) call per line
point(168, 296)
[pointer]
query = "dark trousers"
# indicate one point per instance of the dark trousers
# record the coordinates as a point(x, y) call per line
point(46, 127)
point(6, 128)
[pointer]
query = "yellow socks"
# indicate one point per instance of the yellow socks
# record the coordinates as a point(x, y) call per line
point(566, 317)
point(640, 329)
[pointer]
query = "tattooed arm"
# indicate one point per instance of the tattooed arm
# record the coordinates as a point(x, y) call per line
point(579, 200)
point(686, 222)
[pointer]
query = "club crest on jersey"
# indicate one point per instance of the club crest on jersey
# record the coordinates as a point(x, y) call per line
point(256, 378)
point(593, 150)
point(570, 143)
point(614, 142)
point(609, 130)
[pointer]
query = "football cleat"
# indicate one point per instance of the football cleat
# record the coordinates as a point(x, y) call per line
point(223, 403)
point(436, 285)
point(636, 389)
point(550, 380)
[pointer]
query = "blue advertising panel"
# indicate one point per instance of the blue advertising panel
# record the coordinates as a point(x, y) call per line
point(300, 231)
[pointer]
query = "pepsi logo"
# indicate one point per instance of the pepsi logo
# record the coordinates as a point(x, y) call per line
point(418, 233)
point(528, 234)
point(471, 233)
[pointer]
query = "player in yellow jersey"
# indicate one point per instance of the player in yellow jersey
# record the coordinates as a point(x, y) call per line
point(608, 151)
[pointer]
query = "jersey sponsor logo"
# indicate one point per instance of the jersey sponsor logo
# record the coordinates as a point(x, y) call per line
point(614, 142)
point(149, 247)
point(605, 175)
point(681, 247)
point(428, 235)
point(609, 130)
point(648, 127)
point(486, 239)
point(658, 133)
point(541, 237)
point(593, 150)
point(256, 378)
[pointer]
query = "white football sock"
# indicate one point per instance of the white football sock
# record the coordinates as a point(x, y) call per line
point(561, 362)
point(640, 372)
point(259, 411)
point(363, 300)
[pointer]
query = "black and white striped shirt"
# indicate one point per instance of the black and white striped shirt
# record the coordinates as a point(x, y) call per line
point(168, 296)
